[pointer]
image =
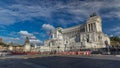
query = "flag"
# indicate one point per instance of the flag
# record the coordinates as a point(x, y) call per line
point(49, 33)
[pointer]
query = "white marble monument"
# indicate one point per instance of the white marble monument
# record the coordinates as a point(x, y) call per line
point(87, 35)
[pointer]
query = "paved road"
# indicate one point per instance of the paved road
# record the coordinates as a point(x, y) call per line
point(18, 63)
point(62, 62)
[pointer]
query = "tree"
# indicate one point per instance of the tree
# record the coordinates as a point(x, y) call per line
point(3, 44)
point(115, 40)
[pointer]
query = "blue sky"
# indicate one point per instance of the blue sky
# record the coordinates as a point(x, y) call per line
point(34, 18)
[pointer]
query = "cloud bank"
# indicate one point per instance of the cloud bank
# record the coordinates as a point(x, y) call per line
point(58, 11)
point(32, 37)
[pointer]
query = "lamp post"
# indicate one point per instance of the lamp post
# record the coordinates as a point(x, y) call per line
point(117, 48)
point(65, 47)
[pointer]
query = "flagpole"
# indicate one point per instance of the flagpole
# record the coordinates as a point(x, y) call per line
point(50, 32)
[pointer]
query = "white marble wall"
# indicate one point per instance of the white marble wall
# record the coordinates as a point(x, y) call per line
point(90, 35)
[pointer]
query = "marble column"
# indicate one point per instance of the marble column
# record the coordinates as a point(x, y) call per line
point(87, 28)
point(94, 27)
point(90, 26)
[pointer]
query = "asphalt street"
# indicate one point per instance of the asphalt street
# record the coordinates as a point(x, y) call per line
point(62, 62)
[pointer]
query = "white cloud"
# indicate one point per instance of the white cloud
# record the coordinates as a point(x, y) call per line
point(15, 38)
point(117, 33)
point(36, 41)
point(30, 35)
point(25, 10)
point(21, 39)
point(6, 18)
point(21, 12)
point(48, 27)
point(83, 9)
point(10, 39)
point(115, 29)
point(25, 33)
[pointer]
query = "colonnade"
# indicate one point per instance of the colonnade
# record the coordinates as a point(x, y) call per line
point(90, 27)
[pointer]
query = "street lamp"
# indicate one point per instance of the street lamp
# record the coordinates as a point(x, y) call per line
point(65, 48)
point(117, 48)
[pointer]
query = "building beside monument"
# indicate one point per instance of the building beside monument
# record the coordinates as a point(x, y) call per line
point(27, 46)
point(87, 35)
point(10, 48)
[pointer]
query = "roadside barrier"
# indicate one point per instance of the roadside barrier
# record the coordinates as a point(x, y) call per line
point(86, 53)
point(80, 53)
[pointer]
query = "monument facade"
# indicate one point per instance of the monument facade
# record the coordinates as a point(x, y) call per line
point(87, 35)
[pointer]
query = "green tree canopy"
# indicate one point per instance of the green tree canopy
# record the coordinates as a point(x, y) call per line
point(115, 38)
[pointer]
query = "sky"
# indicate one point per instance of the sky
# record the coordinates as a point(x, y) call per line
point(34, 18)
